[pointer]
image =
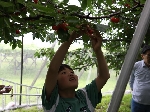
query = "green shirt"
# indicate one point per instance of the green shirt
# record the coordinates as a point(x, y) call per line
point(85, 100)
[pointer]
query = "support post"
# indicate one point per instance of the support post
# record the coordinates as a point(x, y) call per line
point(20, 98)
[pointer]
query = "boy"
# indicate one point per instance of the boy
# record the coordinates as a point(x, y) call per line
point(59, 93)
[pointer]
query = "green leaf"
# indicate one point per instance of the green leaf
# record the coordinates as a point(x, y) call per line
point(109, 2)
point(89, 2)
point(85, 38)
point(73, 7)
point(71, 19)
point(14, 45)
point(50, 21)
point(6, 4)
point(1, 22)
point(101, 27)
point(66, 1)
point(84, 4)
point(42, 8)
point(35, 35)
point(63, 35)
point(100, 1)
point(17, 19)
point(19, 43)
point(7, 22)
point(36, 54)
point(6, 33)
point(21, 1)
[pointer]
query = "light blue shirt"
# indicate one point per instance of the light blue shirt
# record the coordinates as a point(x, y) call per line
point(140, 83)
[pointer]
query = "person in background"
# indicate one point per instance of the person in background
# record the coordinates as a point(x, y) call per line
point(59, 91)
point(5, 89)
point(140, 83)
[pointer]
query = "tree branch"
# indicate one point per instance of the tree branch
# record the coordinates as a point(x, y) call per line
point(105, 16)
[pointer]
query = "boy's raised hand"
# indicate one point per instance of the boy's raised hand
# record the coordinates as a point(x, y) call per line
point(73, 36)
point(76, 34)
point(96, 40)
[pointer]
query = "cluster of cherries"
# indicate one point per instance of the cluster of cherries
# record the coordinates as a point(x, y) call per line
point(64, 27)
point(60, 26)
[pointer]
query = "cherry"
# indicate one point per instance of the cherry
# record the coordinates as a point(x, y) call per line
point(114, 19)
point(17, 32)
point(90, 31)
point(54, 27)
point(59, 11)
point(127, 5)
point(63, 26)
point(35, 1)
point(17, 13)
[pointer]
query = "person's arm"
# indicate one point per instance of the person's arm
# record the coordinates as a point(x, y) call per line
point(52, 73)
point(103, 72)
point(131, 80)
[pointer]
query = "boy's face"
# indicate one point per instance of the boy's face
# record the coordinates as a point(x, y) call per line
point(67, 79)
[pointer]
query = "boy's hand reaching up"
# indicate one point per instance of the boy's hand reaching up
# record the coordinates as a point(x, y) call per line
point(96, 40)
point(73, 36)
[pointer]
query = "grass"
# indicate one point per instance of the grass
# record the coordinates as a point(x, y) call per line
point(124, 106)
point(28, 109)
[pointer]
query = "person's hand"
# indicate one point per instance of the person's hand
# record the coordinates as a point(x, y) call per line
point(96, 40)
point(1, 87)
point(8, 89)
point(76, 34)
point(73, 36)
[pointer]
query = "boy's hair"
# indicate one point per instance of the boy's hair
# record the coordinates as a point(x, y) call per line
point(63, 66)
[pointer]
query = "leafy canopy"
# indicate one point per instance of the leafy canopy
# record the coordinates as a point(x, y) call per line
point(115, 19)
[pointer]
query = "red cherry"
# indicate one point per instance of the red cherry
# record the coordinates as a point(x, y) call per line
point(63, 26)
point(59, 11)
point(55, 27)
point(114, 19)
point(17, 32)
point(117, 20)
point(17, 13)
point(127, 5)
point(90, 31)
point(35, 1)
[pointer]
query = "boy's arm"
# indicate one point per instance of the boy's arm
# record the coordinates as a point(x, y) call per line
point(103, 72)
point(52, 73)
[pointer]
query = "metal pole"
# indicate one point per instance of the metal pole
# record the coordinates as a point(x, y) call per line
point(130, 58)
point(21, 72)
